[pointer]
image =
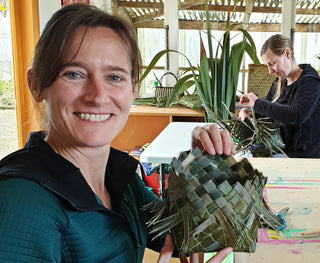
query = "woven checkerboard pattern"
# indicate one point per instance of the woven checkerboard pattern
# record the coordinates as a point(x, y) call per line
point(219, 202)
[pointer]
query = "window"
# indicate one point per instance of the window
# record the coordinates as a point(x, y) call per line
point(8, 122)
point(150, 42)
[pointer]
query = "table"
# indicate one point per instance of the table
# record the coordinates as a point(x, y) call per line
point(146, 122)
point(292, 183)
point(176, 137)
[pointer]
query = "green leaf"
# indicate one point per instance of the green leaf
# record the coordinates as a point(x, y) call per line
point(181, 86)
point(153, 63)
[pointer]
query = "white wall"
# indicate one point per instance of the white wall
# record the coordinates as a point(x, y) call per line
point(105, 5)
point(46, 10)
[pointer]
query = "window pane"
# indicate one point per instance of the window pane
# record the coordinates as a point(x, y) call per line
point(8, 122)
point(150, 42)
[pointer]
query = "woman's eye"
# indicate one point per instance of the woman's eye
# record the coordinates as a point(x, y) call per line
point(72, 75)
point(115, 78)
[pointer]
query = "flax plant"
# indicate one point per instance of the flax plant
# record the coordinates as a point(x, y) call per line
point(216, 78)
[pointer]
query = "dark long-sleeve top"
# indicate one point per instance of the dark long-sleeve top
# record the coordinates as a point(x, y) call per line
point(48, 213)
point(298, 112)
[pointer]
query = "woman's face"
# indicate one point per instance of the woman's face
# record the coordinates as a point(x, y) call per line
point(279, 66)
point(89, 102)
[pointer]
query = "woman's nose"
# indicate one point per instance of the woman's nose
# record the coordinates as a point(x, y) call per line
point(271, 70)
point(96, 91)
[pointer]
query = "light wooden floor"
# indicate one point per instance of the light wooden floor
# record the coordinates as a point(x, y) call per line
point(152, 257)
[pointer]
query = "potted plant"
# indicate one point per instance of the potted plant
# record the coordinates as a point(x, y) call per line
point(216, 78)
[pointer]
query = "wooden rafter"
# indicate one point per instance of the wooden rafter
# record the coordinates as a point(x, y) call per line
point(150, 12)
point(252, 27)
point(148, 17)
point(190, 3)
point(200, 7)
point(147, 5)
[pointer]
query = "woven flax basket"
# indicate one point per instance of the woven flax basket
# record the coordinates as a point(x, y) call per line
point(163, 92)
point(214, 202)
point(259, 80)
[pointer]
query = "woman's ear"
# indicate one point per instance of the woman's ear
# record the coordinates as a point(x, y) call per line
point(287, 53)
point(135, 90)
point(33, 84)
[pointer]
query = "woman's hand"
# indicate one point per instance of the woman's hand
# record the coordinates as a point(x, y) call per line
point(249, 98)
point(167, 250)
point(245, 113)
point(213, 140)
point(220, 256)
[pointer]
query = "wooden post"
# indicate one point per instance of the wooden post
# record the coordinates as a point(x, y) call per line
point(171, 24)
point(288, 18)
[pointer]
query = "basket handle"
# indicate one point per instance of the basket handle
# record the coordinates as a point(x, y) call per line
point(165, 74)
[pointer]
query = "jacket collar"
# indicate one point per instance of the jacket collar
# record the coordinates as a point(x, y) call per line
point(38, 162)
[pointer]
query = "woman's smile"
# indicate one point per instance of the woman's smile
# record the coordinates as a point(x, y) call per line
point(93, 117)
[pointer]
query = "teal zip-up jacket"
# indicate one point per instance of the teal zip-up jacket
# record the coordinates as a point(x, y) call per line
point(48, 213)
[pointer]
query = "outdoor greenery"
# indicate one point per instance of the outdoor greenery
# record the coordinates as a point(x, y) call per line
point(215, 79)
point(5, 86)
point(7, 97)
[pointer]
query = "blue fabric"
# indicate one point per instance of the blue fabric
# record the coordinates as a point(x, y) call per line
point(49, 213)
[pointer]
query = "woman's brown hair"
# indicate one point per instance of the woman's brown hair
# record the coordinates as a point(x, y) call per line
point(50, 51)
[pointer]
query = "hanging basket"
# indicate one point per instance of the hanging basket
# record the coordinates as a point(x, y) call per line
point(213, 202)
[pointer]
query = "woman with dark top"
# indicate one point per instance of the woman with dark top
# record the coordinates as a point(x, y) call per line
point(67, 196)
point(293, 100)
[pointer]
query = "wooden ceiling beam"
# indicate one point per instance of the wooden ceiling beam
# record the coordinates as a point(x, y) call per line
point(149, 17)
point(301, 11)
point(195, 5)
point(190, 3)
point(150, 24)
point(145, 5)
point(305, 28)
point(198, 25)
point(221, 26)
